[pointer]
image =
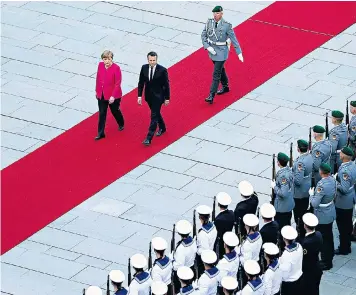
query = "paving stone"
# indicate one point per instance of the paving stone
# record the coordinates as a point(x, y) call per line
point(350, 47)
point(138, 171)
point(16, 142)
point(77, 4)
point(314, 110)
point(201, 170)
point(92, 261)
point(333, 103)
point(105, 250)
point(57, 238)
point(63, 220)
point(188, 39)
point(140, 241)
point(333, 277)
point(139, 182)
point(166, 178)
point(274, 101)
point(120, 191)
point(345, 72)
point(264, 123)
point(296, 116)
point(170, 192)
point(252, 107)
point(338, 42)
point(91, 276)
point(34, 246)
point(182, 147)
point(17, 33)
point(332, 89)
point(350, 282)
point(81, 82)
point(320, 66)
point(163, 33)
point(348, 269)
point(64, 254)
point(67, 118)
point(77, 67)
point(338, 262)
point(293, 78)
point(32, 92)
point(333, 56)
point(12, 125)
point(62, 286)
point(40, 132)
point(112, 207)
point(17, 43)
point(329, 288)
point(9, 156)
point(47, 264)
point(8, 270)
point(47, 39)
point(83, 104)
point(103, 7)
point(230, 115)
point(302, 62)
point(332, 79)
point(170, 163)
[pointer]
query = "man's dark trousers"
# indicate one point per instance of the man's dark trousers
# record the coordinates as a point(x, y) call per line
point(115, 110)
point(344, 224)
point(327, 251)
point(156, 118)
point(219, 75)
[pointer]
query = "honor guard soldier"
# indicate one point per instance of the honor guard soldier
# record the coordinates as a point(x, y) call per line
point(117, 277)
point(291, 262)
point(338, 138)
point(93, 290)
point(186, 275)
point(322, 200)
point(284, 190)
point(207, 234)
point(216, 38)
point(224, 221)
point(141, 283)
point(185, 251)
point(352, 127)
point(248, 204)
point(159, 288)
point(209, 280)
point(312, 244)
point(270, 229)
point(345, 200)
point(302, 174)
point(229, 285)
point(321, 151)
point(272, 278)
point(229, 264)
point(162, 266)
point(251, 247)
point(255, 284)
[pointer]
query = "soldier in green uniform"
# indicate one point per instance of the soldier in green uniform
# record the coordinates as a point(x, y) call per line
point(321, 152)
point(217, 37)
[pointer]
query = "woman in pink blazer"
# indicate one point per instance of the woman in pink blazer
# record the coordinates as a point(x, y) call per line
point(108, 92)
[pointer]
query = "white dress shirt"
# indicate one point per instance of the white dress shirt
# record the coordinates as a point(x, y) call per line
point(162, 270)
point(229, 264)
point(185, 253)
point(149, 72)
point(250, 249)
point(206, 237)
point(291, 262)
point(140, 285)
point(272, 278)
point(208, 282)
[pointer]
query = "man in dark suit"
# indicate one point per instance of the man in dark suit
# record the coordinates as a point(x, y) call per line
point(312, 244)
point(224, 222)
point(154, 78)
point(270, 228)
point(248, 204)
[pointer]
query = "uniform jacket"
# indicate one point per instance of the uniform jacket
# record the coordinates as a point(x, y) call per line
point(321, 153)
point(291, 262)
point(140, 285)
point(162, 270)
point(254, 287)
point(108, 81)
point(302, 172)
point(352, 131)
point(220, 34)
point(272, 278)
point(284, 190)
point(338, 139)
point(206, 237)
point(269, 232)
point(346, 177)
point(224, 222)
point(312, 245)
point(251, 247)
point(157, 90)
point(208, 282)
point(188, 290)
point(246, 206)
point(324, 194)
point(229, 264)
point(185, 252)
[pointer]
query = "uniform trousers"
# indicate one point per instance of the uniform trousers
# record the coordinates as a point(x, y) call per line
point(311, 281)
point(219, 75)
point(300, 208)
point(283, 219)
point(156, 118)
point(327, 250)
point(344, 224)
point(115, 110)
point(292, 288)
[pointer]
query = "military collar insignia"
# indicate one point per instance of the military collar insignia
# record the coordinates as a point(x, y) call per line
point(253, 237)
point(231, 256)
point(208, 227)
point(212, 272)
point(187, 241)
point(292, 247)
point(255, 284)
point(142, 277)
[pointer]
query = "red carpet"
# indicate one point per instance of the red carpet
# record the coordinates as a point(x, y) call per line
point(71, 168)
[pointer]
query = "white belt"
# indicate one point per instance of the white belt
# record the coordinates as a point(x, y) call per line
point(325, 205)
point(218, 43)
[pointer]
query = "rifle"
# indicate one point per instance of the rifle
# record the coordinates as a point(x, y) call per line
point(347, 113)
point(108, 286)
point(240, 276)
point(173, 289)
point(194, 224)
point(273, 197)
point(279, 243)
point(326, 126)
point(258, 216)
point(298, 229)
point(310, 140)
point(83, 291)
point(129, 273)
point(239, 233)
point(150, 256)
point(262, 262)
point(214, 205)
point(291, 155)
point(173, 242)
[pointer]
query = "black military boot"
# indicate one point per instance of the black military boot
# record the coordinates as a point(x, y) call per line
point(210, 98)
point(223, 90)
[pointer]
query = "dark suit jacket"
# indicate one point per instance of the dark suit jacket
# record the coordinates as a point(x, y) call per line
point(224, 222)
point(157, 90)
point(245, 207)
point(312, 245)
point(269, 232)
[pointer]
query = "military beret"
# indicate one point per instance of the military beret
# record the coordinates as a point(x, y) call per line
point(337, 114)
point(325, 168)
point(353, 103)
point(282, 157)
point(217, 9)
point(347, 151)
point(318, 129)
point(302, 143)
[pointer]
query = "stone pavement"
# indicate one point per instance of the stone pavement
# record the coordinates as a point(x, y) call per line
point(49, 55)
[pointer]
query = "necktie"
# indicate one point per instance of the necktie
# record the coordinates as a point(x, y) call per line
point(216, 25)
point(151, 75)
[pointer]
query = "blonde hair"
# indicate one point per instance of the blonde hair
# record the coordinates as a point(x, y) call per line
point(107, 54)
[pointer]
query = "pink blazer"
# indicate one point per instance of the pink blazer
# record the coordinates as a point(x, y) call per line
point(108, 81)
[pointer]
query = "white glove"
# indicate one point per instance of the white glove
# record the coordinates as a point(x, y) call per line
point(311, 192)
point(241, 58)
point(335, 175)
point(170, 256)
point(211, 50)
point(228, 41)
point(338, 151)
point(273, 184)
